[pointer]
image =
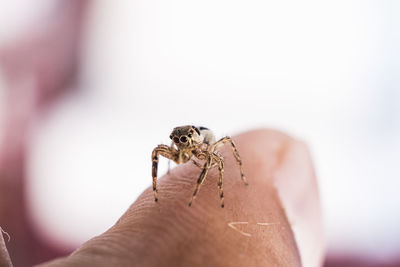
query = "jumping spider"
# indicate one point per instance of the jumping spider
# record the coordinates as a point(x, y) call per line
point(189, 142)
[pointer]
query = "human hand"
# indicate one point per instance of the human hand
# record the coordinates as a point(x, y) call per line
point(279, 214)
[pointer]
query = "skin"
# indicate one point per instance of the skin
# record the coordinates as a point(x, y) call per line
point(282, 190)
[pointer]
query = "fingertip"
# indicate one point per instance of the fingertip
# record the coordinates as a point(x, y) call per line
point(284, 162)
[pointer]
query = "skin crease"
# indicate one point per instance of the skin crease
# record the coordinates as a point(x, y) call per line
point(169, 233)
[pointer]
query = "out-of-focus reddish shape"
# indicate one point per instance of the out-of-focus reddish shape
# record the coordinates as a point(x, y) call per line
point(38, 68)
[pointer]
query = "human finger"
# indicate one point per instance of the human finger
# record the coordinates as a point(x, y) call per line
point(254, 228)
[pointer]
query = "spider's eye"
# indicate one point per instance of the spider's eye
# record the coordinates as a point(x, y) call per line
point(183, 139)
point(170, 137)
point(176, 139)
point(190, 135)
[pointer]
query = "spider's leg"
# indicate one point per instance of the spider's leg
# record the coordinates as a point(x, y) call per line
point(214, 164)
point(197, 164)
point(202, 177)
point(220, 162)
point(165, 151)
point(200, 156)
point(227, 139)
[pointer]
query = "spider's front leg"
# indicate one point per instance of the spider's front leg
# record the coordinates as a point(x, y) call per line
point(217, 160)
point(202, 176)
point(166, 151)
point(227, 139)
point(220, 162)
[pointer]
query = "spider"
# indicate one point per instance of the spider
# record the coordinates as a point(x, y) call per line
point(190, 142)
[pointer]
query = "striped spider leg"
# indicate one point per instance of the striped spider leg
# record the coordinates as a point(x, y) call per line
point(166, 151)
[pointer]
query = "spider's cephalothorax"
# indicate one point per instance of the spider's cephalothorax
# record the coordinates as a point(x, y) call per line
point(189, 142)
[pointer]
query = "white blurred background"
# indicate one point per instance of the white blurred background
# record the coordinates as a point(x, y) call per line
point(327, 73)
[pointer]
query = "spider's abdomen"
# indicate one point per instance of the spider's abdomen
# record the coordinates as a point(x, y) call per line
point(207, 135)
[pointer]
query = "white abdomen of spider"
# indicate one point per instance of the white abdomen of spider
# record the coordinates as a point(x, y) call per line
point(190, 142)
